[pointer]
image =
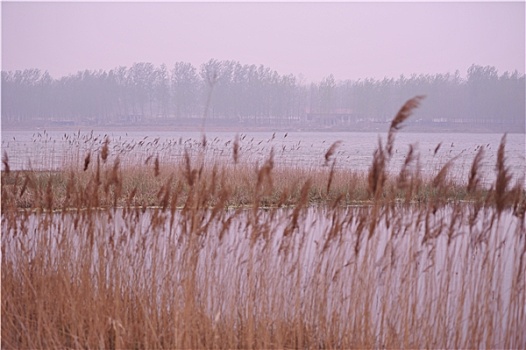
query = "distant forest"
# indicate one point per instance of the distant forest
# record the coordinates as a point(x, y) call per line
point(230, 92)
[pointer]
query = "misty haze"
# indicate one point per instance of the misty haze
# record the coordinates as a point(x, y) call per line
point(263, 66)
point(228, 95)
point(263, 175)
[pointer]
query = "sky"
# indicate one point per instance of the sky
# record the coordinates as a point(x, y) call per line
point(352, 40)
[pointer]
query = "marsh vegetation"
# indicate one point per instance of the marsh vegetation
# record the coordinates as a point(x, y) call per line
point(223, 254)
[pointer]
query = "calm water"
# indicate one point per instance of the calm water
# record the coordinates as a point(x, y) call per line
point(50, 150)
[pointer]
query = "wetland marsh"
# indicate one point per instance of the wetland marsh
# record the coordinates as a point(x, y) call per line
point(139, 250)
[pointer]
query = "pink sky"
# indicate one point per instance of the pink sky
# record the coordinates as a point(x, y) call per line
point(349, 40)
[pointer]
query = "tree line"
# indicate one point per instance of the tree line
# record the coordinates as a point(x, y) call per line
point(231, 90)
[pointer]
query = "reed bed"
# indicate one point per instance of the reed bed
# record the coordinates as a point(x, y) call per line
point(199, 254)
point(118, 185)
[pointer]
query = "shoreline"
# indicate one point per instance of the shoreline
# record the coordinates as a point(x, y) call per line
point(382, 128)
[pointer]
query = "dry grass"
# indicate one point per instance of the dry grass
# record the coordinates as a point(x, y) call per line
point(230, 255)
point(126, 185)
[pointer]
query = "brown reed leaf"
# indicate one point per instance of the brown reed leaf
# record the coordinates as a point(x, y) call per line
point(331, 151)
point(5, 161)
point(402, 115)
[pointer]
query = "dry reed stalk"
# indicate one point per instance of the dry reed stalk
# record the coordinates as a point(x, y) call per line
point(105, 151)
point(49, 196)
point(189, 173)
point(377, 172)
point(112, 283)
point(97, 172)
point(24, 186)
point(474, 174)
point(280, 310)
point(235, 151)
point(503, 177)
point(402, 180)
point(518, 194)
point(440, 178)
point(303, 202)
point(156, 170)
point(376, 176)
point(331, 151)
point(326, 185)
point(115, 179)
point(5, 162)
point(264, 174)
point(331, 175)
point(204, 141)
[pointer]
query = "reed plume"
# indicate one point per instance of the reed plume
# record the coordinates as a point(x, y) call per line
point(331, 151)
point(235, 151)
point(474, 174)
point(404, 172)
point(403, 114)
point(156, 170)
point(105, 150)
point(87, 161)
point(376, 176)
point(265, 172)
point(439, 179)
point(377, 172)
point(5, 162)
point(189, 173)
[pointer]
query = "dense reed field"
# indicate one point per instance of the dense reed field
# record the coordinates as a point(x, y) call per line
point(225, 254)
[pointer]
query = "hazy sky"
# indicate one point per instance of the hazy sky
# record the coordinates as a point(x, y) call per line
point(350, 40)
